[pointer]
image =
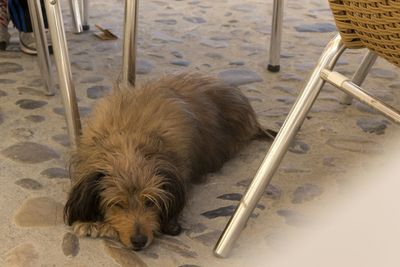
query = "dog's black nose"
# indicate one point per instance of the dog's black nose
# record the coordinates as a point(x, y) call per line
point(138, 241)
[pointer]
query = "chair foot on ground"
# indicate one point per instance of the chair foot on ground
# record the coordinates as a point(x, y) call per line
point(276, 36)
point(80, 13)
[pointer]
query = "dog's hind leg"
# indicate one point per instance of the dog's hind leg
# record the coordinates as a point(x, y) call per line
point(94, 229)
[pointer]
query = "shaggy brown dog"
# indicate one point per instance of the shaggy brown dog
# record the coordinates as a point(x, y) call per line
point(142, 145)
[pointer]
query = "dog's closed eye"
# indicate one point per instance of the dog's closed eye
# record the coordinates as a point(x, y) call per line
point(119, 205)
point(148, 203)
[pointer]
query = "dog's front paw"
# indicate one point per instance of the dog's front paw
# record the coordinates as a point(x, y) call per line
point(94, 229)
point(86, 229)
point(171, 228)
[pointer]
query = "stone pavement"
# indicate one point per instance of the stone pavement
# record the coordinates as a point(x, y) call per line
point(221, 37)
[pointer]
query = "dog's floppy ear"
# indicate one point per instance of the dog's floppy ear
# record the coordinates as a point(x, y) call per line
point(84, 200)
point(176, 189)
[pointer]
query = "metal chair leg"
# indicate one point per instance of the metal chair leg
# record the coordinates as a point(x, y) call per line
point(346, 85)
point(41, 43)
point(360, 74)
point(76, 15)
point(84, 7)
point(129, 50)
point(278, 149)
point(67, 88)
point(276, 36)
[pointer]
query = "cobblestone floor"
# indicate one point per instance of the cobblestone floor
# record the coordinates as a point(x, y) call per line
point(221, 37)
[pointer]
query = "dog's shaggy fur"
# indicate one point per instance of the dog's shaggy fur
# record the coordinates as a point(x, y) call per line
point(142, 145)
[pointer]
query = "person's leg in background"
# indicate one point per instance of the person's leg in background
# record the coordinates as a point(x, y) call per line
point(4, 20)
point(19, 13)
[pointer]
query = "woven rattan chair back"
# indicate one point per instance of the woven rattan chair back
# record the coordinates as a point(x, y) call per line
point(374, 24)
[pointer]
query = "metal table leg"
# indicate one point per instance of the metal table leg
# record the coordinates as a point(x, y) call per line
point(84, 7)
point(67, 88)
point(129, 50)
point(76, 15)
point(35, 11)
point(276, 36)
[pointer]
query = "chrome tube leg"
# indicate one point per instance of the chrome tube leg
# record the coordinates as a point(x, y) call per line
point(129, 50)
point(67, 88)
point(35, 11)
point(278, 149)
point(84, 7)
point(343, 83)
point(360, 74)
point(276, 37)
point(76, 15)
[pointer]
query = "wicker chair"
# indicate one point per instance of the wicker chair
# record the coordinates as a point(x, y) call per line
point(372, 24)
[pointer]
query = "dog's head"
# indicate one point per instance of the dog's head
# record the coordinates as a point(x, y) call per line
point(137, 198)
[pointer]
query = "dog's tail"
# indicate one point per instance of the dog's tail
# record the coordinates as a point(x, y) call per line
point(265, 133)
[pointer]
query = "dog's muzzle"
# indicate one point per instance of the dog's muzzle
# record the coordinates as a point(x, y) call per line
point(139, 242)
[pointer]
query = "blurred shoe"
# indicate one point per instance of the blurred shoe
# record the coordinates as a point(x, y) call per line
point(4, 19)
point(27, 43)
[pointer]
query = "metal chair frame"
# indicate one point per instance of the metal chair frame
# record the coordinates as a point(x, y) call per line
point(321, 74)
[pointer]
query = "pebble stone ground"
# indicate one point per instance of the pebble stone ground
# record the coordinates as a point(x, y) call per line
point(220, 37)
